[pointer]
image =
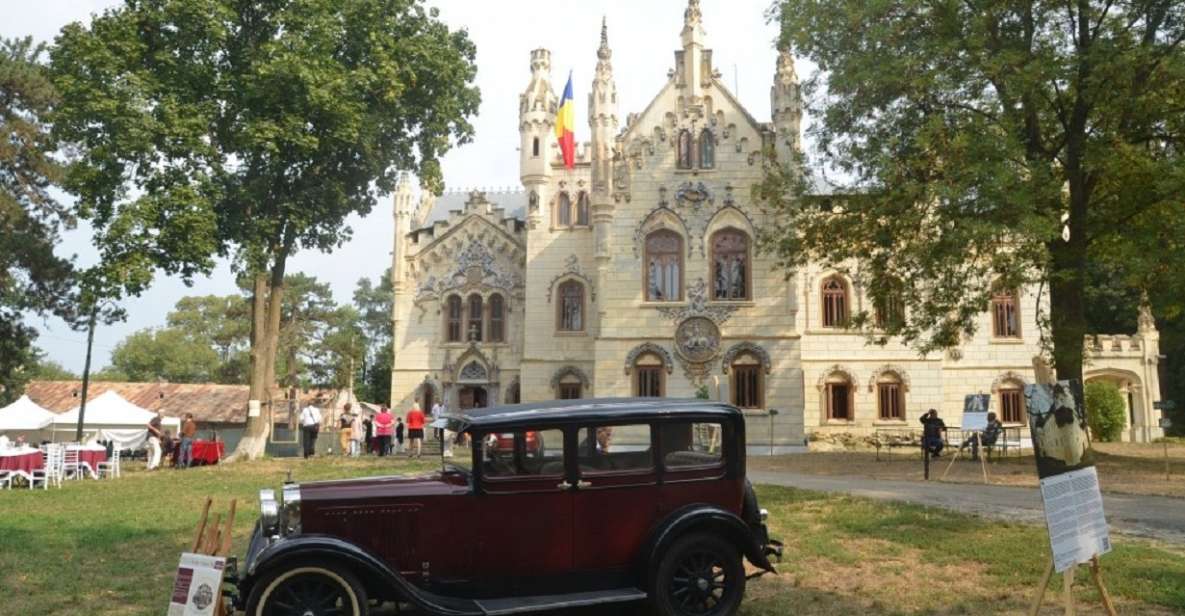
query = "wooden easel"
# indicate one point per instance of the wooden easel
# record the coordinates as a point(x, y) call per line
point(1096, 575)
point(959, 452)
point(214, 540)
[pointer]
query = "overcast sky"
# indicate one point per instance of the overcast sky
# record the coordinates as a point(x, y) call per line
point(643, 36)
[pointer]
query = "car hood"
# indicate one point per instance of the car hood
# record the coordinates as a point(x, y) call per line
point(431, 484)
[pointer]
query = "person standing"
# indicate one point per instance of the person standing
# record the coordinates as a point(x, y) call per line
point(398, 435)
point(933, 429)
point(415, 431)
point(368, 426)
point(437, 411)
point(188, 431)
point(154, 436)
point(310, 425)
point(345, 429)
point(356, 434)
point(383, 428)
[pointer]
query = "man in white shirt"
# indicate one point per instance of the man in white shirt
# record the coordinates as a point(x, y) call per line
point(437, 411)
point(310, 425)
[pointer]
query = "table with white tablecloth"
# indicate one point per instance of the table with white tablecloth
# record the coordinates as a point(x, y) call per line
point(21, 461)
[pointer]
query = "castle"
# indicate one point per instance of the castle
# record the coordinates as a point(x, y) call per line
point(636, 274)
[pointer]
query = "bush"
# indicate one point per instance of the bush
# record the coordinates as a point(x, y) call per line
point(1105, 411)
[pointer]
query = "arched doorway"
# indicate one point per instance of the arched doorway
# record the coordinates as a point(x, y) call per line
point(472, 396)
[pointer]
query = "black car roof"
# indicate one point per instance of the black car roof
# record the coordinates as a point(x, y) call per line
point(589, 410)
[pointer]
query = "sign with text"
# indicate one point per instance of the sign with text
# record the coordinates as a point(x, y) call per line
point(198, 586)
point(975, 411)
point(1069, 482)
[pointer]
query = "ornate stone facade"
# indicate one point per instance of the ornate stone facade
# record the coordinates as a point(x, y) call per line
point(500, 295)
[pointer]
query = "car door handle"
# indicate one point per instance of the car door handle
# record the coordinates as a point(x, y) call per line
point(580, 485)
point(564, 485)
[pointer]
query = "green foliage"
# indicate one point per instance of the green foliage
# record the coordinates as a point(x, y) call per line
point(32, 278)
point(968, 131)
point(374, 303)
point(168, 354)
point(1105, 411)
point(702, 392)
point(49, 370)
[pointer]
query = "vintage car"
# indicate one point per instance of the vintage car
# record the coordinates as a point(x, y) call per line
point(630, 500)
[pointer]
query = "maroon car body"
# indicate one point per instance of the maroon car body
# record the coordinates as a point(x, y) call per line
point(514, 526)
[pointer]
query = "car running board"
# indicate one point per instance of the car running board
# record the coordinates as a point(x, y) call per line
point(523, 605)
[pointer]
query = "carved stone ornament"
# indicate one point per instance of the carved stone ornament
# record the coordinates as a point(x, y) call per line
point(473, 371)
point(742, 348)
point(697, 306)
point(475, 268)
point(648, 347)
point(697, 340)
point(572, 270)
point(570, 371)
point(694, 194)
point(836, 369)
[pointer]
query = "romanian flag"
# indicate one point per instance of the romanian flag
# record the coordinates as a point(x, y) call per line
point(565, 124)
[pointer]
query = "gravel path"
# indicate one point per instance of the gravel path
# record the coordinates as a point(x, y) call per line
point(1156, 517)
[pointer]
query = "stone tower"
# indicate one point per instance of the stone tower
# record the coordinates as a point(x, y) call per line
point(602, 120)
point(536, 115)
point(786, 102)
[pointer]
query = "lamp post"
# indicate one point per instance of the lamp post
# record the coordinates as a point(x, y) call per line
point(772, 413)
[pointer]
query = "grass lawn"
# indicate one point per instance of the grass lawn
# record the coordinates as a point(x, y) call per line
point(1130, 468)
point(111, 548)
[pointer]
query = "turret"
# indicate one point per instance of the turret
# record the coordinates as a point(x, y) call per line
point(786, 103)
point(536, 113)
point(693, 63)
point(405, 209)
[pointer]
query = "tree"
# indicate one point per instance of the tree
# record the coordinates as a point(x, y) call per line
point(989, 144)
point(374, 303)
point(48, 370)
point(165, 354)
point(254, 130)
point(1104, 410)
point(33, 280)
point(222, 320)
point(336, 356)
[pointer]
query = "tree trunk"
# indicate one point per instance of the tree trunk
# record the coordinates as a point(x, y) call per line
point(1067, 285)
point(268, 294)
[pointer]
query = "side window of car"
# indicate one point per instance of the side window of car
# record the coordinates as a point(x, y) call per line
point(692, 444)
point(604, 449)
point(523, 453)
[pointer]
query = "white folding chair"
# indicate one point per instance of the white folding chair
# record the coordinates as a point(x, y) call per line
point(110, 467)
point(45, 474)
point(6, 480)
point(71, 468)
point(58, 454)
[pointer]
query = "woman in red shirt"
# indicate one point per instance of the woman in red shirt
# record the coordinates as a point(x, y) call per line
point(384, 427)
point(415, 430)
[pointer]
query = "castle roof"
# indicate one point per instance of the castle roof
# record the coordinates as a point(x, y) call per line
point(513, 202)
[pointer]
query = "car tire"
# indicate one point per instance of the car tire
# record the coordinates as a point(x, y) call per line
point(699, 575)
point(306, 587)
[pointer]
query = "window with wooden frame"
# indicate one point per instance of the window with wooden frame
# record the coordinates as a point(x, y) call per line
point(707, 149)
point(889, 312)
point(1005, 315)
point(497, 318)
point(748, 387)
point(1012, 404)
point(563, 210)
point(890, 398)
point(453, 319)
point(685, 147)
point(649, 371)
point(663, 275)
point(570, 388)
point(570, 308)
point(582, 209)
point(730, 265)
point(473, 331)
point(835, 303)
point(837, 398)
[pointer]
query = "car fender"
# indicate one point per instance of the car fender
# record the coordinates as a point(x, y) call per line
point(370, 568)
point(695, 518)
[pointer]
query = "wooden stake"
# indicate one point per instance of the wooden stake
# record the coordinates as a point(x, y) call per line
point(1068, 590)
point(1041, 589)
point(201, 527)
point(1096, 574)
point(958, 452)
point(224, 547)
point(983, 464)
point(211, 539)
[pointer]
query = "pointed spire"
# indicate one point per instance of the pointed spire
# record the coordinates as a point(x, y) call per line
point(603, 52)
point(785, 74)
point(692, 15)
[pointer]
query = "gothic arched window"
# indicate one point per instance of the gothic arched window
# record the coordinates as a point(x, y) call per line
point(582, 209)
point(664, 266)
point(1005, 315)
point(570, 315)
point(835, 303)
point(649, 371)
point(707, 149)
point(730, 265)
point(473, 333)
point(684, 150)
point(1012, 403)
point(453, 328)
point(890, 397)
point(497, 318)
point(564, 210)
point(838, 398)
point(748, 388)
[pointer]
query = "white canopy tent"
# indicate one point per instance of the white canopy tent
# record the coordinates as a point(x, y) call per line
point(25, 418)
point(110, 417)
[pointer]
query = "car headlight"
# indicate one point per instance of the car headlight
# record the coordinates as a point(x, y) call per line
point(269, 512)
point(291, 508)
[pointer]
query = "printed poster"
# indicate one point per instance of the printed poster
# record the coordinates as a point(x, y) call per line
point(1069, 482)
point(198, 585)
point(975, 411)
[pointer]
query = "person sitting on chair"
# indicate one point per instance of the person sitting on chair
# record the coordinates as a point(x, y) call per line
point(932, 429)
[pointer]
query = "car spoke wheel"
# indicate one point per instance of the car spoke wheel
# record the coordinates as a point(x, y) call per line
point(700, 575)
point(308, 591)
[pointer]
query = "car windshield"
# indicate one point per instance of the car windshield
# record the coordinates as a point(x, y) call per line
point(455, 452)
